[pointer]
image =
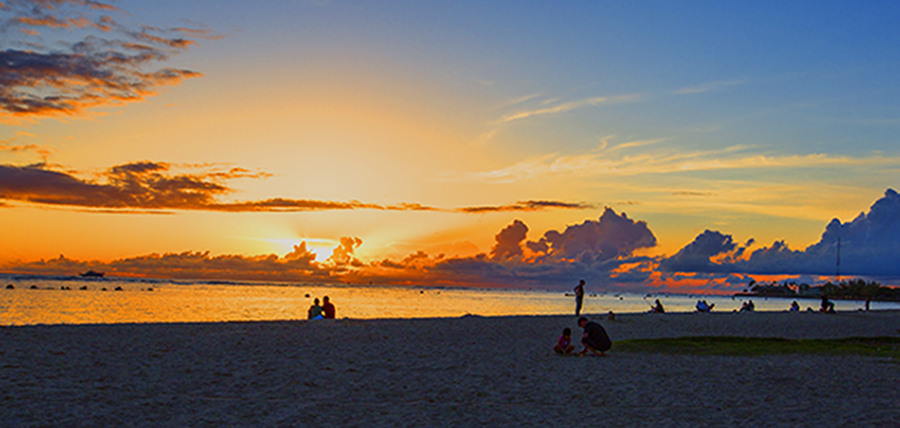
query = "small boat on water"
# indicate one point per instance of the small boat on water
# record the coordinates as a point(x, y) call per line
point(91, 274)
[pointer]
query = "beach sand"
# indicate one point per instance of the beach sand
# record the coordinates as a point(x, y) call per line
point(497, 371)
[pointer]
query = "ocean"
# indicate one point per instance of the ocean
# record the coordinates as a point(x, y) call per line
point(75, 300)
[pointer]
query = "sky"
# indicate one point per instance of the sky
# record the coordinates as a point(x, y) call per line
point(678, 146)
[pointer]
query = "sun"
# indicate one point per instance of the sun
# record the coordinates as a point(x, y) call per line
point(322, 248)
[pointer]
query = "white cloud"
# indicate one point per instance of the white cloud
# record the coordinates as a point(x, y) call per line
point(709, 86)
point(622, 162)
point(572, 105)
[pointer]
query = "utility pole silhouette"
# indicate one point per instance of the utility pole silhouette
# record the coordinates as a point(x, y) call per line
point(838, 273)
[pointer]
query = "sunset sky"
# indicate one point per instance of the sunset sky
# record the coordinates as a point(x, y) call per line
point(688, 145)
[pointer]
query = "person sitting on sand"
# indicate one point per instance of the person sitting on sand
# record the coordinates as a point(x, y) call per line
point(748, 306)
point(594, 339)
point(658, 308)
point(703, 306)
point(327, 308)
point(564, 344)
point(795, 307)
point(315, 311)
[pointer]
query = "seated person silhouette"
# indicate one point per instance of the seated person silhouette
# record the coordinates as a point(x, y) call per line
point(564, 344)
point(315, 311)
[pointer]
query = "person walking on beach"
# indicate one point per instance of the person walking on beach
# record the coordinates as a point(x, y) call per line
point(327, 308)
point(594, 338)
point(315, 311)
point(579, 297)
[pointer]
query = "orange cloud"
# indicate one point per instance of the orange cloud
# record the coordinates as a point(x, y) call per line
point(8, 146)
point(601, 252)
point(152, 186)
point(93, 72)
point(527, 206)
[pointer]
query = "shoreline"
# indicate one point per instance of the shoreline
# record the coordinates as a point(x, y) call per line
point(174, 303)
point(594, 316)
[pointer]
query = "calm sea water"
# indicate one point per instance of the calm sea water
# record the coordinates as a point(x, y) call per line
point(144, 301)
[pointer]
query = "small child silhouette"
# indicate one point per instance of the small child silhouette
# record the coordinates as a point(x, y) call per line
point(564, 344)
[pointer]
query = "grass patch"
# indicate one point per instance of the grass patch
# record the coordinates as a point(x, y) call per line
point(751, 346)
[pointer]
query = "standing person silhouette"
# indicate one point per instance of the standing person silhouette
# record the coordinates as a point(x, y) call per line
point(579, 297)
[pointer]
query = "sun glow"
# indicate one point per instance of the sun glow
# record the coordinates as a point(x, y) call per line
point(322, 248)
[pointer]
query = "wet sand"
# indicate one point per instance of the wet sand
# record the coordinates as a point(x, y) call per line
point(485, 371)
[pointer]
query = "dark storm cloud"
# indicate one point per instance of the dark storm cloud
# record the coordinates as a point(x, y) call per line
point(106, 67)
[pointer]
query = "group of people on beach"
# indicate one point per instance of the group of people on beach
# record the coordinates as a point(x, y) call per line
point(316, 312)
point(827, 306)
point(594, 338)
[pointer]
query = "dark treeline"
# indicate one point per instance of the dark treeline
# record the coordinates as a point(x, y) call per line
point(854, 289)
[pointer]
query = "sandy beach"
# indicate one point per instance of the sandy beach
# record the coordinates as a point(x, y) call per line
point(496, 371)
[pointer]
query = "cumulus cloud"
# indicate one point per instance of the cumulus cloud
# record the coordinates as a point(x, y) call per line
point(601, 251)
point(298, 265)
point(869, 246)
point(509, 241)
point(105, 67)
point(611, 236)
point(343, 254)
point(594, 250)
point(189, 265)
point(695, 257)
point(598, 251)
